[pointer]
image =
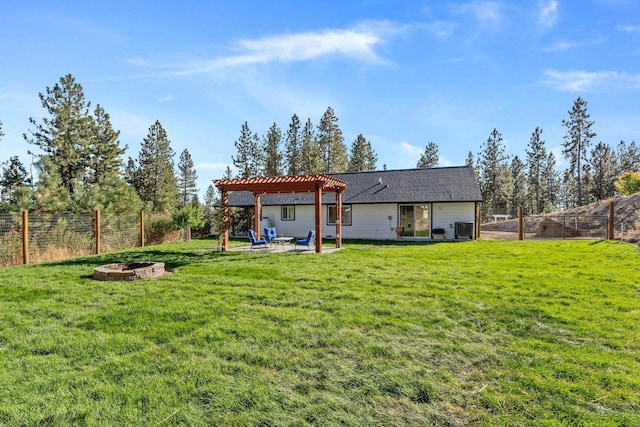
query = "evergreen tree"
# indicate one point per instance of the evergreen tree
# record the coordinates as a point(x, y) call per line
point(362, 157)
point(604, 170)
point(628, 157)
point(155, 177)
point(209, 210)
point(491, 165)
point(333, 152)
point(65, 136)
point(250, 157)
point(187, 178)
point(469, 160)
point(576, 141)
point(293, 147)
point(1, 133)
point(551, 187)
point(273, 155)
point(50, 195)
point(131, 175)
point(105, 152)
point(536, 162)
point(430, 157)
point(518, 185)
point(15, 185)
point(310, 151)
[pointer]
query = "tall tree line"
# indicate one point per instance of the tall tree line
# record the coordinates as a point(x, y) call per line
point(301, 150)
point(78, 158)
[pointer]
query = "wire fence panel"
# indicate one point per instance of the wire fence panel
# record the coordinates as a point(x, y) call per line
point(56, 237)
point(119, 231)
point(549, 227)
point(10, 239)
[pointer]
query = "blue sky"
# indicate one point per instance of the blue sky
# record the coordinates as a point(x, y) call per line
point(402, 73)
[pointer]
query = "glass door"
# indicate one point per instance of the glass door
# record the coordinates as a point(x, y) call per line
point(416, 220)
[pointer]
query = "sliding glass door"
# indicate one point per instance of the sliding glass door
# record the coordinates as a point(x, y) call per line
point(416, 220)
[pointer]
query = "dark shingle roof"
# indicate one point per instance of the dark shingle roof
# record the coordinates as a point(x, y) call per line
point(450, 184)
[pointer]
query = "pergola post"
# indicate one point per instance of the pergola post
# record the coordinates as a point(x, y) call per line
point(225, 220)
point(256, 216)
point(338, 219)
point(318, 215)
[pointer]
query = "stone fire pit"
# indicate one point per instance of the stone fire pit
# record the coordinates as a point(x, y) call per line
point(127, 272)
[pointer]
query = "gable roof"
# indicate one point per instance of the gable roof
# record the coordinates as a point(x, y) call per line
point(448, 184)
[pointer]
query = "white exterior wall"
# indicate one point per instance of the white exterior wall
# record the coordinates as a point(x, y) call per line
point(445, 215)
point(368, 221)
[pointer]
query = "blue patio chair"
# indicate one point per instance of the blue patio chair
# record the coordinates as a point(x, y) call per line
point(270, 234)
point(255, 242)
point(309, 241)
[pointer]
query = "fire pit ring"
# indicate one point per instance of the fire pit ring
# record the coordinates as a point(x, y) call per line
point(127, 272)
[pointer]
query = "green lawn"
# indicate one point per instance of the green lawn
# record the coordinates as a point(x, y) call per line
point(474, 333)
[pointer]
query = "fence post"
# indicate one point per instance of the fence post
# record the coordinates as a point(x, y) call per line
point(142, 228)
point(97, 232)
point(520, 223)
point(478, 213)
point(611, 221)
point(25, 237)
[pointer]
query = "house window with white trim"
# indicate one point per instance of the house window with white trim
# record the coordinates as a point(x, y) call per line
point(288, 213)
point(346, 214)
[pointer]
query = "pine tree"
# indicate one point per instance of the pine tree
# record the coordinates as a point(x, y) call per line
point(491, 163)
point(576, 141)
point(333, 152)
point(551, 185)
point(310, 151)
point(65, 136)
point(156, 180)
point(536, 160)
point(14, 185)
point(250, 157)
point(362, 158)
point(469, 160)
point(187, 177)
point(105, 152)
point(1, 133)
point(273, 155)
point(518, 184)
point(293, 147)
point(628, 157)
point(604, 171)
point(430, 157)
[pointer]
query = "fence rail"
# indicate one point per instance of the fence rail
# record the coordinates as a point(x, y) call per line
point(33, 238)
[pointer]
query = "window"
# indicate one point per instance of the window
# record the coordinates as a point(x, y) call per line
point(288, 213)
point(346, 214)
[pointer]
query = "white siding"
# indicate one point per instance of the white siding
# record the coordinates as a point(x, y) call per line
point(368, 221)
point(445, 215)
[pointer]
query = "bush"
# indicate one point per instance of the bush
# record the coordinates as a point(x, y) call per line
point(161, 229)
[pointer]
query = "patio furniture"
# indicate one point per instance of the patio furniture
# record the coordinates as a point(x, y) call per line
point(309, 241)
point(255, 242)
point(270, 234)
point(283, 241)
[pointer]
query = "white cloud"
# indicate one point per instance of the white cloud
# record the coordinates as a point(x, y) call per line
point(582, 81)
point(548, 13)
point(410, 150)
point(560, 46)
point(358, 43)
point(629, 28)
point(166, 98)
point(485, 12)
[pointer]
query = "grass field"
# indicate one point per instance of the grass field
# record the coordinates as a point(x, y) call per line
point(477, 333)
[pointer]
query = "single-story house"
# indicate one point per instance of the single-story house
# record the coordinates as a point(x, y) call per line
point(417, 202)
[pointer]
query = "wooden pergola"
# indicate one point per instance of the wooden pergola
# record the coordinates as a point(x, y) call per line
point(279, 185)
